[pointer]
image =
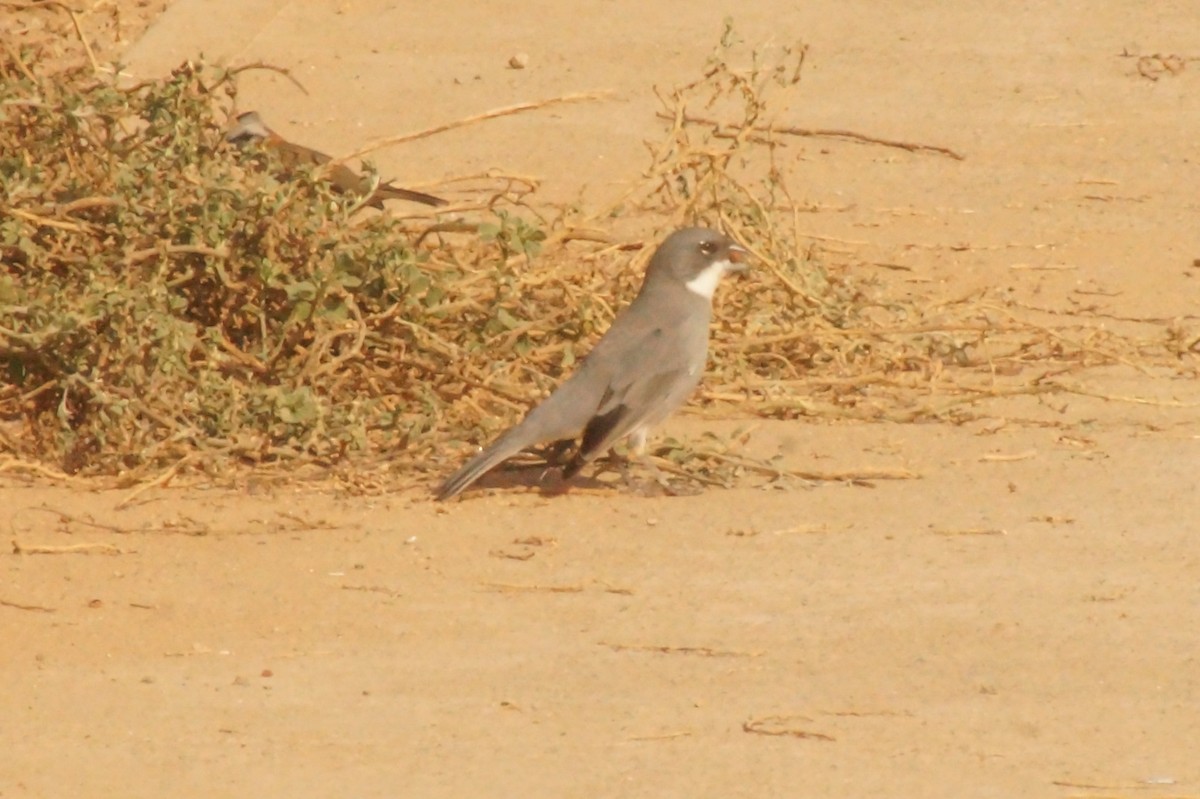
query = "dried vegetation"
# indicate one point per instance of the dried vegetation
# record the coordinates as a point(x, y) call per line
point(167, 306)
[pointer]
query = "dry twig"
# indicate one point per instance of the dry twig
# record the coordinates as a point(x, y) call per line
point(495, 113)
point(828, 133)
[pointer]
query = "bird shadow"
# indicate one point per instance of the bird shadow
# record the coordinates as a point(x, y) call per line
point(546, 480)
point(611, 475)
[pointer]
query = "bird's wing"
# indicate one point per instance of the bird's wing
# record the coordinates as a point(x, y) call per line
point(649, 375)
point(640, 401)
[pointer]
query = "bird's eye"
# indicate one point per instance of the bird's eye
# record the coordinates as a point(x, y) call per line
point(708, 247)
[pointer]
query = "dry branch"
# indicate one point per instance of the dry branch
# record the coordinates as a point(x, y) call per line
point(70, 549)
point(495, 113)
point(19, 606)
point(828, 133)
point(780, 726)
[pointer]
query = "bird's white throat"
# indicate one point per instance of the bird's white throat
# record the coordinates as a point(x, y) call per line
point(705, 283)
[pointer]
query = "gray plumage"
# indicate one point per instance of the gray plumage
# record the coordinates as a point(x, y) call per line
point(646, 365)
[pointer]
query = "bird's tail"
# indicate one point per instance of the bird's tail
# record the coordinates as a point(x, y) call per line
point(387, 191)
point(475, 468)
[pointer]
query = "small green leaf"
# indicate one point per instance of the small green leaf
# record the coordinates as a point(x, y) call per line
point(301, 290)
point(507, 319)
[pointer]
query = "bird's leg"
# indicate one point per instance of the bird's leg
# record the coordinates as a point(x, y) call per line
point(557, 455)
point(556, 452)
point(638, 452)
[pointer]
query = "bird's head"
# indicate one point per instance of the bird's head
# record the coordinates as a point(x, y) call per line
point(697, 258)
point(246, 128)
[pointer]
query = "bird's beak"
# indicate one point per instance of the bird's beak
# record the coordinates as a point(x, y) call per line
point(737, 258)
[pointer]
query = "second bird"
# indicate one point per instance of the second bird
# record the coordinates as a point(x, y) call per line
point(250, 127)
point(646, 365)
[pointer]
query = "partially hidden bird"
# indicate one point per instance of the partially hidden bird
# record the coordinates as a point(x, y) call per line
point(641, 370)
point(250, 127)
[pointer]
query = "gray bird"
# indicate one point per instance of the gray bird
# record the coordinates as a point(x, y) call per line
point(250, 127)
point(641, 370)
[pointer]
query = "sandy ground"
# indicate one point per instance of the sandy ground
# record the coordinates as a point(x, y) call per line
point(1023, 620)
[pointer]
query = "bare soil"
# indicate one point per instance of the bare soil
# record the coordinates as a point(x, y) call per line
point(1021, 620)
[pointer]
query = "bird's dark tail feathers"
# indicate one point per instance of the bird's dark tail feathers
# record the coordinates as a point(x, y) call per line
point(387, 191)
